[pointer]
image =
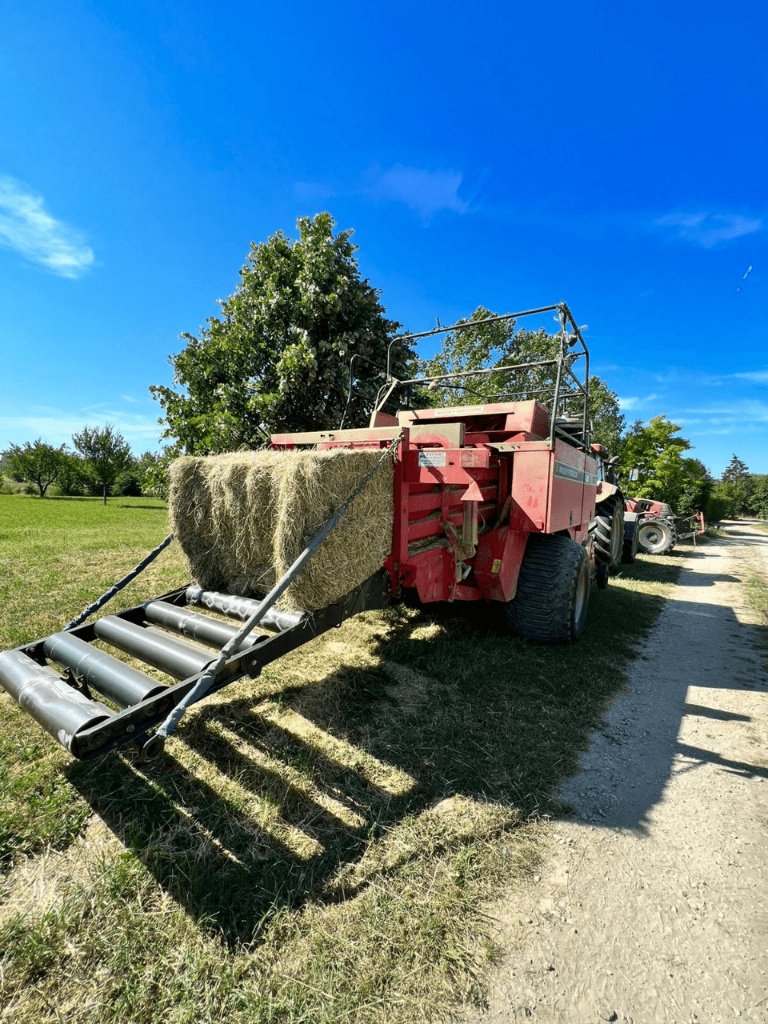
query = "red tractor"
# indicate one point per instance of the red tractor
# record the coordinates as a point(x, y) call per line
point(500, 501)
point(658, 528)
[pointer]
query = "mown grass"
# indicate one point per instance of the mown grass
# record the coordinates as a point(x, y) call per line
point(317, 844)
point(757, 595)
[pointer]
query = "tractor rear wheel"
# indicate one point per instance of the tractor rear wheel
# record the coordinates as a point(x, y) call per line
point(552, 591)
point(655, 536)
point(608, 527)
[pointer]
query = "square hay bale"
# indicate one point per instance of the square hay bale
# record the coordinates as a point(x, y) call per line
point(244, 517)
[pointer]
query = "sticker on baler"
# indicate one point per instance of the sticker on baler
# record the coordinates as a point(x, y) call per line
point(566, 472)
point(496, 567)
point(433, 458)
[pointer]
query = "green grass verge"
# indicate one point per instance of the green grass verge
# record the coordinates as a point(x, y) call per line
point(318, 844)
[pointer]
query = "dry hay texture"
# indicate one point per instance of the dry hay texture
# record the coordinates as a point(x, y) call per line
point(244, 517)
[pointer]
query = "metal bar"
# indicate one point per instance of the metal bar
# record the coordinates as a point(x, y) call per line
point(97, 669)
point(196, 627)
point(241, 608)
point(120, 585)
point(134, 722)
point(480, 373)
point(465, 325)
point(175, 657)
point(59, 708)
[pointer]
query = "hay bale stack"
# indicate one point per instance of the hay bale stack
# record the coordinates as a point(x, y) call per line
point(244, 517)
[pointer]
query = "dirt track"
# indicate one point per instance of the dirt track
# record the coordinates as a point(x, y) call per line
point(652, 905)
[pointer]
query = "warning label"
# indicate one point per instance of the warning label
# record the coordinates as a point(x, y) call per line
point(433, 458)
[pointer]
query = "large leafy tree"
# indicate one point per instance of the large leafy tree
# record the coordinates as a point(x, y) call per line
point(278, 356)
point(499, 344)
point(106, 454)
point(36, 462)
point(656, 451)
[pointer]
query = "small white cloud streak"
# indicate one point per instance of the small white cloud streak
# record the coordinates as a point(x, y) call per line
point(28, 228)
point(747, 412)
point(709, 229)
point(426, 192)
point(632, 402)
point(141, 432)
point(756, 376)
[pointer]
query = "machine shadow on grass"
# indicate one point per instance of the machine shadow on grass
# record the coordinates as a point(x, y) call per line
point(256, 814)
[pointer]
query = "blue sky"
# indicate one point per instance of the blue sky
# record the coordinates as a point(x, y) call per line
point(508, 155)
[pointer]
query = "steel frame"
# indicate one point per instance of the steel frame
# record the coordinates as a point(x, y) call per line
point(132, 723)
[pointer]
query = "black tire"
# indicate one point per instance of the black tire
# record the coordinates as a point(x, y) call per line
point(608, 529)
point(655, 536)
point(629, 551)
point(552, 591)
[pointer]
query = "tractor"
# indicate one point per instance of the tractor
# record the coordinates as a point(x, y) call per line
point(658, 528)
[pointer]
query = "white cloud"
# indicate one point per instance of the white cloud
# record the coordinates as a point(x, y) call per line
point(756, 376)
point(57, 427)
point(747, 411)
point(28, 228)
point(426, 192)
point(632, 402)
point(709, 229)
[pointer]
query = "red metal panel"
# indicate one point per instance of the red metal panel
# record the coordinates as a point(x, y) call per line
point(530, 487)
point(573, 489)
point(433, 574)
point(497, 563)
point(530, 416)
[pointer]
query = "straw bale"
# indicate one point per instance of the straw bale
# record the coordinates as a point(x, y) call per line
point(244, 517)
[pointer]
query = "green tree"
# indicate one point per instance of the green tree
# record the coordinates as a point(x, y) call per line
point(694, 487)
point(655, 450)
point(153, 472)
point(724, 501)
point(73, 479)
point(106, 454)
point(498, 345)
point(278, 356)
point(36, 462)
point(758, 497)
point(737, 475)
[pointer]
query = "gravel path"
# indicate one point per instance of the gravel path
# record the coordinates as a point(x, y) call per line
point(653, 902)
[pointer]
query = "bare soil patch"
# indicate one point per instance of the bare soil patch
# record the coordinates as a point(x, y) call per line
point(652, 903)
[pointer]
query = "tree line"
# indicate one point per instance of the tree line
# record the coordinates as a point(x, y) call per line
point(303, 343)
point(100, 462)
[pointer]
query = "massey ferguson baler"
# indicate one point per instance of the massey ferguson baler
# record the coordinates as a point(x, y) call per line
point(491, 502)
point(487, 500)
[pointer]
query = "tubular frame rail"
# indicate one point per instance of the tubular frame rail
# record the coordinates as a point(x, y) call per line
point(572, 348)
point(113, 729)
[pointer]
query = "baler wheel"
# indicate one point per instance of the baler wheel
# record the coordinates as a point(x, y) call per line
point(655, 536)
point(609, 532)
point(552, 591)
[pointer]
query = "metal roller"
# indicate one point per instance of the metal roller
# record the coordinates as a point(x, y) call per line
point(123, 684)
point(59, 708)
point(241, 608)
point(196, 627)
point(175, 657)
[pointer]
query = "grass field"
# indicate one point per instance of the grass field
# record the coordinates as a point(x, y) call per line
point(317, 845)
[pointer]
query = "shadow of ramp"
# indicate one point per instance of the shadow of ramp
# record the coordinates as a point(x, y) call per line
point(272, 795)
